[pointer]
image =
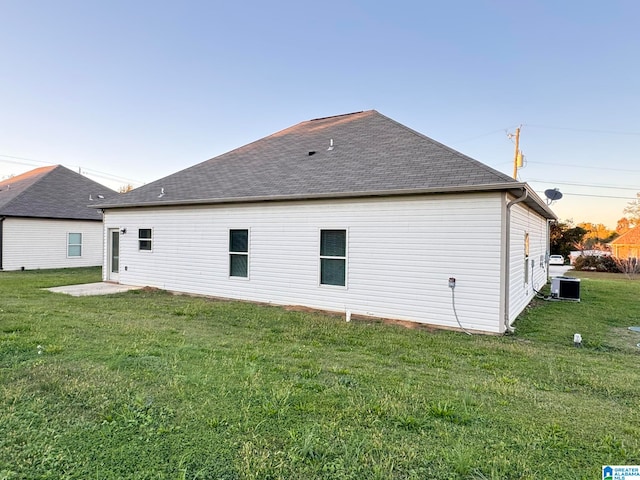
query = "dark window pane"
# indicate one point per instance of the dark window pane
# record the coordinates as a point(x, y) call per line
point(238, 265)
point(115, 252)
point(333, 243)
point(144, 239)
point(332, 271)
point(239, 241)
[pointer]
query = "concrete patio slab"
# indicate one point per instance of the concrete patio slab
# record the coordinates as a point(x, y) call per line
point(100, 288)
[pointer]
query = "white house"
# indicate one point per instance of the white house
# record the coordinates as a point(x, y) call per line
point(354, 213)
point(46, 220)
point(574, 254)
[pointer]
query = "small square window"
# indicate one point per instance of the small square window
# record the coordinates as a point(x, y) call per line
point(144, 239)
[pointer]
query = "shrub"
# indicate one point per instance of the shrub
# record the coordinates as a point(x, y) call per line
point(609, 264)
point(595, 263)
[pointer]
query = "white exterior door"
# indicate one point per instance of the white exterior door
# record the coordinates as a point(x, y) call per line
point(113, 274)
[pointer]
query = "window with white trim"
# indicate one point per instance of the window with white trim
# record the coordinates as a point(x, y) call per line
point(526, 257)
point(333, 257)
point(145, 239)
point(74, 245)
point(239, 253)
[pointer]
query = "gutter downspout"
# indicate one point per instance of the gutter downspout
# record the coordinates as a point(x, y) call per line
point(548, 252)
point(507, 263)
point(1, 241)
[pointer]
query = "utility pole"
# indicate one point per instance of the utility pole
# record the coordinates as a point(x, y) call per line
point(517, 158)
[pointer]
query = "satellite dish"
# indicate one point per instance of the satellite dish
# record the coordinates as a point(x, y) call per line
point(552, 195)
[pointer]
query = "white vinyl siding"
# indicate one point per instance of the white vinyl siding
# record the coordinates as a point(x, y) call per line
point(526, 277)
point(442, 236)
point(44, 243)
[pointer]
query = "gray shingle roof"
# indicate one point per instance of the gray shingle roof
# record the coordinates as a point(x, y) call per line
point(52, 192)
point(357, 154)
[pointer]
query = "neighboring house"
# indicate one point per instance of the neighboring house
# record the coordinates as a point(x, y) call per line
point(574, 254)
point(627, 245)
point(46, 220)
point(354, 213)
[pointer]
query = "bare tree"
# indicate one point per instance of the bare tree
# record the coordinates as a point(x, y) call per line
point(623, 226)
point(603, 247)
point(632, 211)
point(629, 266)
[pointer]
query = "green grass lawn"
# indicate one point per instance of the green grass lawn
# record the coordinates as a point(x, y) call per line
point(149, 385)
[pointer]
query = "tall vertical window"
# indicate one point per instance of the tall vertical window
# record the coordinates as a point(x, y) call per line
point(239, 253)
point(526, 257)
point(74, 245)
point(144, 239)
point(333, 257)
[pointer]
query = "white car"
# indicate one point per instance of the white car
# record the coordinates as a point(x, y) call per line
point(556, 260)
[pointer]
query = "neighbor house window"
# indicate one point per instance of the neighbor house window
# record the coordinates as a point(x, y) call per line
point(144, 239)
point(74, 245)
point(239, 253)
point(333, 257)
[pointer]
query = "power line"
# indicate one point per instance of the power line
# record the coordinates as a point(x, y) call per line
point(108, 175)
point(586, 130)
point(591, 195)
point(502, 130)
point(30, 163)
point(637, 188)
point(96, 173)
point(23, 158)
point(549, 127)
point(554, 164)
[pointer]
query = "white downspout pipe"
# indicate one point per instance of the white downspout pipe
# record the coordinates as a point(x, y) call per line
point(507, 263)
point(548, 252)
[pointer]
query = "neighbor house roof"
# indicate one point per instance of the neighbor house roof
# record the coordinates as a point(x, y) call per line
point(357, 154)
point(631, 237)
point(52, 192)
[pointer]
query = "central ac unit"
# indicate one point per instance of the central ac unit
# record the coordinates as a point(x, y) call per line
point(565, 288)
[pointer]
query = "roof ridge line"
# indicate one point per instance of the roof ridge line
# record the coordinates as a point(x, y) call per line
point(484, 166)
point(273, 134)
point(23, 192)
point(336, 116)
point(629, 233)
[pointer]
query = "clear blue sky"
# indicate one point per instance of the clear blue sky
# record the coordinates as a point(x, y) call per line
point(137, 90)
